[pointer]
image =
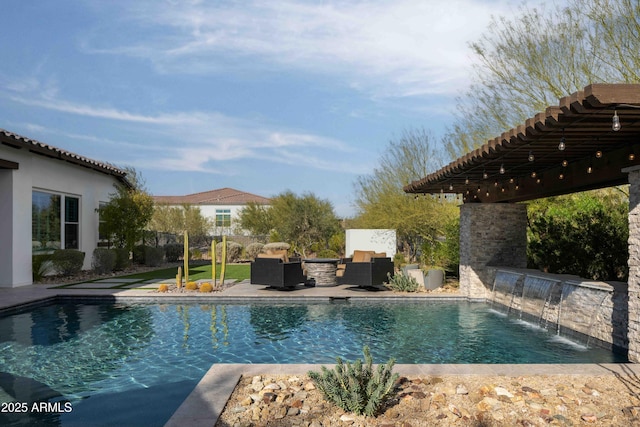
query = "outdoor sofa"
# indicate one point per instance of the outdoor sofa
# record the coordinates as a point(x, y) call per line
point(277, 271)
point(365, 269)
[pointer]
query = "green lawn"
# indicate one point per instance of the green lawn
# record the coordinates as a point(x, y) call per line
point(196, 272)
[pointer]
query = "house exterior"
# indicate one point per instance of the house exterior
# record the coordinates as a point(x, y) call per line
point(222, 206)
point(48, 200)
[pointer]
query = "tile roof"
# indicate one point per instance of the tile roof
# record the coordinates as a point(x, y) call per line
point(14, 140)
point(221, 196)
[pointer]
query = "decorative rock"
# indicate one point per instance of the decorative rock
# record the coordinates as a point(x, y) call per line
point(487, 404)
point(238, 410)
point(315, 423)
point(257, 386)
point(455, 411)
point(272, 386)
point(246, 401)
point(418, 395)
point(461, 389)
point(256, 379)
point(293, 412)
point(589, 418)
point(280, 413)
point(269, 397)
point(309, 386)
point(297, 404)
point(347, 418)
point(529, 390)
point(501, 391)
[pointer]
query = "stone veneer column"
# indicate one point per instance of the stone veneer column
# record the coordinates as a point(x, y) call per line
point(491, 234)
point(633, 332)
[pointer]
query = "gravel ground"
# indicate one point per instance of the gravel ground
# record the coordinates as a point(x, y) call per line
point(537, 400)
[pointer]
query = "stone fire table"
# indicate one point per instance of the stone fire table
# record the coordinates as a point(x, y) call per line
point(322, 270)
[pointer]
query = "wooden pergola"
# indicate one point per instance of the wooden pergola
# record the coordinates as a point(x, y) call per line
point(528, 161)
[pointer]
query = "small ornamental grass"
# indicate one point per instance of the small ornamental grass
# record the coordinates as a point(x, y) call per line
point(357, 388)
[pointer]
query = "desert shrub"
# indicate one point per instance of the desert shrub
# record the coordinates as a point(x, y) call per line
point(196, 254)
point(122, 258)
point(138, 254)
point(206, 287)
point(67, 261)
point(398, 260)
point(357, 388)
point(276, 246)
point(41, 266)
point(103, 260)
point(328, 253)
point(234, 251)
point(253, 249)
point(403, 283)
point(173, 251)
point(153, 256)
point(163, 287)
point(191, 286)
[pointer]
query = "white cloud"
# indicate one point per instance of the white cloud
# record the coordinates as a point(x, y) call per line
point(194, 141)
point(391, 48)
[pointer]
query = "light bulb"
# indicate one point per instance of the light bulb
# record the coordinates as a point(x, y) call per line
point(502, 169)
point(598, 154)
point(632, 156)
point(531, 156)
point(487, 193)
point(495, 184)
point(538, 181)
point(561, 176)
point(565, 163)
point(466, 180)
point(615, 122)
point(485, 175)
point(590, 169)
point(511, 180)
point(450, 187)
point(533, 174)
point(562, 144)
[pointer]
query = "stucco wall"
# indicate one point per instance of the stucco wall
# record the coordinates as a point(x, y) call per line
point(49, 175)
point(365, 239)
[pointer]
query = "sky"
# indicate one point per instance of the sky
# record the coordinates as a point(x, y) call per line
point(260, 96)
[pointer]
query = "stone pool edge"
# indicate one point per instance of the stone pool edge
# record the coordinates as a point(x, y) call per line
point(207, 400)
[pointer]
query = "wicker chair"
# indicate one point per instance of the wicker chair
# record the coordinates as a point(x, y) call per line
point(366, 269)
point(276, 271)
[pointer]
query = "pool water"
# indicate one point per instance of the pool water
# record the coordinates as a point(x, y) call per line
point(134, 364)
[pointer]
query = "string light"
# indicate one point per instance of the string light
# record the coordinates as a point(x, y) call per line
point(485, 175)
point(561, 176)
point(502, 169)
point(589, 168)
point(598, 154)
point(531, 156)
point(450, 187)
point(533, 174)
point(562, 144)
point(565, 163)
point(615, 122)
point(466, 180)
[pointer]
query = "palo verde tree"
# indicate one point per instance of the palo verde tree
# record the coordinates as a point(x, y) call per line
point(306, 222)
point(129, 210)
point(178, 219)
point(529, 60)
point(382, 202)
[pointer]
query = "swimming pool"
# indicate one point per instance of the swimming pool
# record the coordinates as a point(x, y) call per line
point(121, 364)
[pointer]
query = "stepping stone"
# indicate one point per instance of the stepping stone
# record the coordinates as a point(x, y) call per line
point(116, 280)
point(94, 285)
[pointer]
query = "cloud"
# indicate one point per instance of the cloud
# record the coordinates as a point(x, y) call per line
point(193, 141)
point(398, 48)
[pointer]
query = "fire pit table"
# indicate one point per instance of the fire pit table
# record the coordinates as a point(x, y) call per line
point(322, 271)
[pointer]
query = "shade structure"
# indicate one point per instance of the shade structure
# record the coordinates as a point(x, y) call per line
point(528, 161)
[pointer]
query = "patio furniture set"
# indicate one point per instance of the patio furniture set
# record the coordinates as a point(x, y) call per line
point(365, 269)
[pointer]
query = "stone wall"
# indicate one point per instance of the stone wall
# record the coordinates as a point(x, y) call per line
point(634, 263)
point(590, 312)
point(492, 234)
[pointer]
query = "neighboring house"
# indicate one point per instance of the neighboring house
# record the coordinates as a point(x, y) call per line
point(222, 206)
point(48, 200)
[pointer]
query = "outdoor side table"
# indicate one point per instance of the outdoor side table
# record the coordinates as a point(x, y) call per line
point(322, 270)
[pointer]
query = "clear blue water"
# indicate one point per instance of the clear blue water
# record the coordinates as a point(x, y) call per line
point(134, 364)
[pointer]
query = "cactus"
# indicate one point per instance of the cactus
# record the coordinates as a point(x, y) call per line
point(186, 256)
point(223, 260)
point(206, 287)
point(163, 288)
point(179, 278)
point(191, 286)
point(213, 262)
point(357, 388)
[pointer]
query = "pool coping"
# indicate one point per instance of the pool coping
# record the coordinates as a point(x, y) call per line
point(207, 400)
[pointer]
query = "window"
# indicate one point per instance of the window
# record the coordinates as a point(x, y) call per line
point(223, 217)
point(55, 221)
